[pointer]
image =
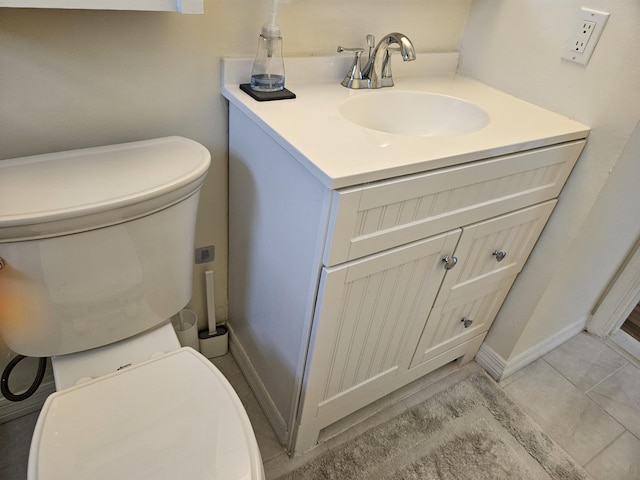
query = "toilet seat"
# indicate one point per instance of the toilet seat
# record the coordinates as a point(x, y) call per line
point(170, 417)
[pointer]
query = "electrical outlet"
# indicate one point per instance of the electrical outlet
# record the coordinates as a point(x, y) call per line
point(583, 36)
point(205, 254)
point(588, 29)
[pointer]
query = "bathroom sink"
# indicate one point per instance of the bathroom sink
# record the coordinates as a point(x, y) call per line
point(413, 113)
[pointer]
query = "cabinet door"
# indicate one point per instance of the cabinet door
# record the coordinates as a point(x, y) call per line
point(489, 256)
point(369, 314)
point(492, 250)
point(461, 319)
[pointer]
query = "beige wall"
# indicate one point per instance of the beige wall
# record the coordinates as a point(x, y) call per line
point(515, 45)
point(72, 79)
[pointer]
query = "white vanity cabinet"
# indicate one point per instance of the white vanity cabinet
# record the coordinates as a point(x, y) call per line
point(338, 297)
point(386, 319)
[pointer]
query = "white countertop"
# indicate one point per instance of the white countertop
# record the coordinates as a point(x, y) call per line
point(341, 153)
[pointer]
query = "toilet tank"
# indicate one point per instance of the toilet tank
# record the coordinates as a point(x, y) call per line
point(96, 244)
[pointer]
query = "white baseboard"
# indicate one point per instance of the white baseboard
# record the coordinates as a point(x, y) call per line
point(259, 390)
point(493, 363)
point(500, 368)
point(12, 410)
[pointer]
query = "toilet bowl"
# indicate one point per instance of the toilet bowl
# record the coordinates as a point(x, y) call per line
point(171, 417)
point(96, 250)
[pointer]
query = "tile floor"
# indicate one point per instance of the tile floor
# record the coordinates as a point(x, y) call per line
point(584, 394)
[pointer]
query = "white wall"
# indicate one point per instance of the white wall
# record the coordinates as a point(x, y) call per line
point(72, 79)
point(515, 45)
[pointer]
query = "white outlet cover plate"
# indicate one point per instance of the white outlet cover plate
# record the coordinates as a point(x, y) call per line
point(585, 15)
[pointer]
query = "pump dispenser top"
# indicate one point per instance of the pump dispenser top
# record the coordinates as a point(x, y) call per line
point(267, 74)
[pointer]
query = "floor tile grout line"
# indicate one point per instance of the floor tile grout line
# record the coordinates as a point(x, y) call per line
point(594, 386)
point(607, 377)
point(624, 428)
point(606, 344)
point(610, 342)
point(564, 376)
point(602, 408)
point(604, 448)
point(272, 457)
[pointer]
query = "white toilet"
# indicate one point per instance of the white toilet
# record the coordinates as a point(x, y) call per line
point(96, 255)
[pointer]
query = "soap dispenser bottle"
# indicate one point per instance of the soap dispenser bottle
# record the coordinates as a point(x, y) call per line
point(267, 74)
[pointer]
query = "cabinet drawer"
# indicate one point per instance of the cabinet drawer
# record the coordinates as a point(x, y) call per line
point(494, 249)
point(372, 218)
point(446, 326)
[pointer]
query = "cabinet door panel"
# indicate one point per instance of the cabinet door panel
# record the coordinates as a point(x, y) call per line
point(445, 327)
point(513, 234)
point(369, 313)
point(372, 218)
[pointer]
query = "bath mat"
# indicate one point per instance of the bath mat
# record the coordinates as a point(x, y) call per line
point(470, 431)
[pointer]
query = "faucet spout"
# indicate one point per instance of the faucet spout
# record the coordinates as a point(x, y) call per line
point(378, 68)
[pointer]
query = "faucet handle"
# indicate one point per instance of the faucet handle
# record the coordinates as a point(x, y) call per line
point(354, 79)
point(350, 49)
point(371, 43)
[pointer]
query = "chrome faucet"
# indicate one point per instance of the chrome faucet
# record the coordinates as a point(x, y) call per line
point(377, 71)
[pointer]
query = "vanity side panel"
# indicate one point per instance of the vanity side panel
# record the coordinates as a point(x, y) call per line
point(278, 216)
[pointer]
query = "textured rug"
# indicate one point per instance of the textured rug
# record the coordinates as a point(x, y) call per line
point(471, 431)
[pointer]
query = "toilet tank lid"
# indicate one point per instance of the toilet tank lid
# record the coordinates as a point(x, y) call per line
point(174, 416)
point(43, 189)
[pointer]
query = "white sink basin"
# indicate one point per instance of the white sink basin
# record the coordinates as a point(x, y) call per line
point(414, 113)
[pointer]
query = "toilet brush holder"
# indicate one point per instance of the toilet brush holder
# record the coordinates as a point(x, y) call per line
point(214, 345)
point(214, 341)
point(185, 323)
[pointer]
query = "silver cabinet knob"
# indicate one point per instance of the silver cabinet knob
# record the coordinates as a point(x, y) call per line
point(499, 255)
point(449, 262)
point(466, 322)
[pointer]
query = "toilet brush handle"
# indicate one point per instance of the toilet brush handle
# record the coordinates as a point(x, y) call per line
point(211, 306)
